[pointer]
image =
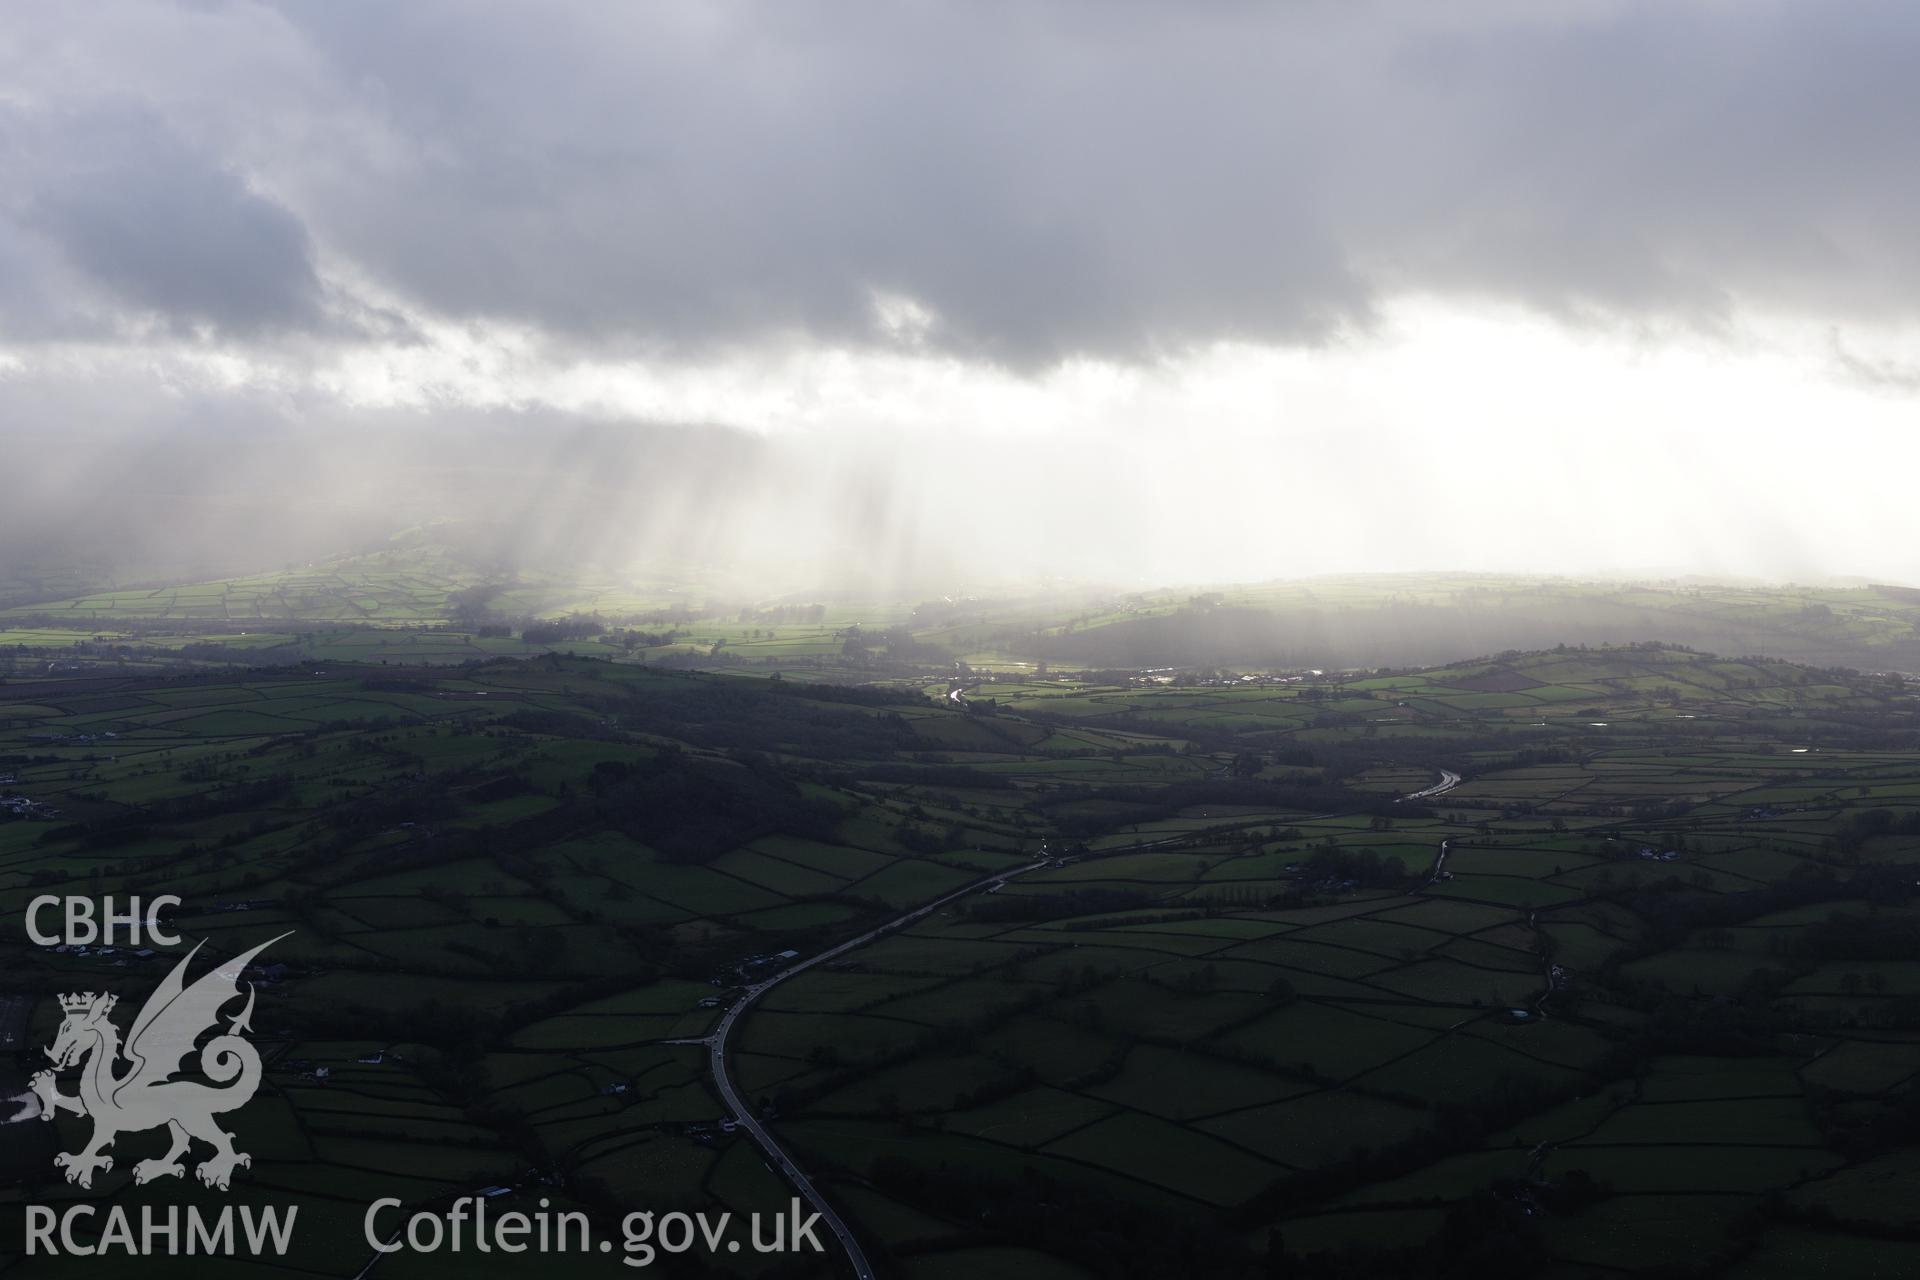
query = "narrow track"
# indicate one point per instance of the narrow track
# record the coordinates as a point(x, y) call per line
point(743, 1113)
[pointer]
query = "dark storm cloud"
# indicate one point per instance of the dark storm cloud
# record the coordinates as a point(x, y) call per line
point(1112, 178)
point(1661, 156)
point(156, 228)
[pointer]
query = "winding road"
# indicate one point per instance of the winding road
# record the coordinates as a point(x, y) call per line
point(1448, 781)
point(716, 1043)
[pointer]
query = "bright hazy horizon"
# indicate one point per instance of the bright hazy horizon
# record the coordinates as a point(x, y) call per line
point(925, 293)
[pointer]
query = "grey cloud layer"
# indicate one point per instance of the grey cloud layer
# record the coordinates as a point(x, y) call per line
point(167, 231)
point(1114, 178)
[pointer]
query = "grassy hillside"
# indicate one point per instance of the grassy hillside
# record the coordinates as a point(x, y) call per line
point(1417, 620)
point(1658, 1005)
point(437, 594)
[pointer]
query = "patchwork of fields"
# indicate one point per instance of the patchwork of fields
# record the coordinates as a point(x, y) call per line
point(1604, 999)
point(1639, 992)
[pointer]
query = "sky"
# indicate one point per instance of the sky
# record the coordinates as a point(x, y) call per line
point(922, 292)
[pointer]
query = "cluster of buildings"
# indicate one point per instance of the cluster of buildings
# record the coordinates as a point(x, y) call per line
point(26, 806)
point(117, 957)
point(312, 1072)
point(757, 966)
point(1223, 680)
point(708, 1134)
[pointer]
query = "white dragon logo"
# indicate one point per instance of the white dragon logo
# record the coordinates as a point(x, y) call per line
point(146, 1095)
